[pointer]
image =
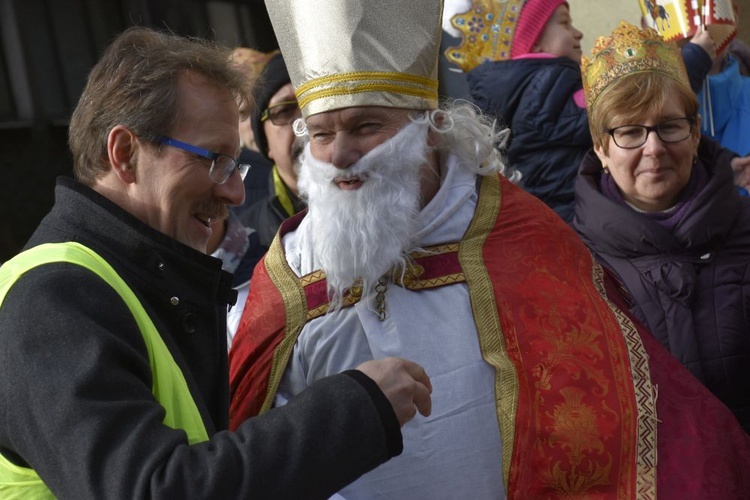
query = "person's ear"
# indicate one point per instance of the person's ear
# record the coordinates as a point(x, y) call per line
point(122, 145)
point(603, 157)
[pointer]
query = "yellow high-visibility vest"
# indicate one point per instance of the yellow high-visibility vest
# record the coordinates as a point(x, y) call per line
point(169, 385)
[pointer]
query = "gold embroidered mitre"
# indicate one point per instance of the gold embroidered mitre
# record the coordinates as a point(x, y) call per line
point(629, 50)
point(488, 29)
point(345, 53)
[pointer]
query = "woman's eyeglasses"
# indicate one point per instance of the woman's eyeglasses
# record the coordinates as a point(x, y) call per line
point(635, 136)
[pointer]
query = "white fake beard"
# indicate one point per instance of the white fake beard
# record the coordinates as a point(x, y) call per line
point(364, 233)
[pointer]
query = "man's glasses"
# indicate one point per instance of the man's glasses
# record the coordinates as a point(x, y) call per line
point(282, 113)
point(635, 136)
point(222, 166)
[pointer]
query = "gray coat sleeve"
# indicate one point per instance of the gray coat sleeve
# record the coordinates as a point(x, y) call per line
point(76, 404)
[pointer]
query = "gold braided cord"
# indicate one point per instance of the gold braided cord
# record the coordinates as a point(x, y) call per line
point(361, 89)
point(484, 307)
point(295, 305)
point(367, 75)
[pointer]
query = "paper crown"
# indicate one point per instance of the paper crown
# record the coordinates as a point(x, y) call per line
point(488, 29)
point(629, 50)
point(345, 53)
point(250, 60)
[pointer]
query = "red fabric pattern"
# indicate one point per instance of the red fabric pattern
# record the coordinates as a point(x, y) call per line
point(260, 331)
point(703, 452)
point(575, 426)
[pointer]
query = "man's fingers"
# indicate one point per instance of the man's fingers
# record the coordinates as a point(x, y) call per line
point(404, 383)
point(422, 399)
point(418, 374)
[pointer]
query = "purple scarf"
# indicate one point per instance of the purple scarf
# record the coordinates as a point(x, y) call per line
point(671, 216)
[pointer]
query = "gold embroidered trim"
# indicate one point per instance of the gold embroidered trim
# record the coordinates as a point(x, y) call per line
point(645, 396)
point(312, 277)
point(295, 305)
point(410, 278)
point(434, 250)
point(418, 284)
point(351, 298)
point(484, 307)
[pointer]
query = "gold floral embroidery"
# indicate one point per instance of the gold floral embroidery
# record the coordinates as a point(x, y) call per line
point(575, 431)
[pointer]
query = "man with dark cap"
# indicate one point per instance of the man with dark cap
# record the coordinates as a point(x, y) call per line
point(275, 111)
point(251, 62)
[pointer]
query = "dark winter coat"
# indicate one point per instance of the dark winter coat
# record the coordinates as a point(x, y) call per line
point(549, 131)
point(76, 384)
point(267, 214)
point(691, 286)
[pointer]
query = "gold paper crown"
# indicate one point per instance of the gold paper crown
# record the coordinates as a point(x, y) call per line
point(488, 29)
point(251, 61)
point(346, 53)
point(629, 50)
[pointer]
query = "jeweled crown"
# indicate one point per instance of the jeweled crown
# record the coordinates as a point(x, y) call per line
point(488, 29)
point(629, 50)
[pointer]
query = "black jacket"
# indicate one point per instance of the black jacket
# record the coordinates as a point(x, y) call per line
point(690, 285)
point(75, 381)
point(549, 132)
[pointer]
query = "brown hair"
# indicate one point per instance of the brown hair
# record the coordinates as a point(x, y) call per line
point(134, 84)
point(634, 97)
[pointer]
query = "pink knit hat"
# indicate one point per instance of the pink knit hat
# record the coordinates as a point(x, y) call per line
point(531, 21)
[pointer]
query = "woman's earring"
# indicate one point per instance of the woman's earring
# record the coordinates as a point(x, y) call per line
point(605, 169)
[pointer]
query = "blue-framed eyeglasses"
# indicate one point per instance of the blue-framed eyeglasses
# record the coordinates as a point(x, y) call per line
point(222, 166)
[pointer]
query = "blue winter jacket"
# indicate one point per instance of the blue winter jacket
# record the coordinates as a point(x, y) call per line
point(549, 131)
point(730, 108)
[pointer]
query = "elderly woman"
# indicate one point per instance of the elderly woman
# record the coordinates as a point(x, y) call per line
point(656, 204)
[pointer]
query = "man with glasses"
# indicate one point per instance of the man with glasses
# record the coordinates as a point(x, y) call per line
point(113, 359)
point(275, 112)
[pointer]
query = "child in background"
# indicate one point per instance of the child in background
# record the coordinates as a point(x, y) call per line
point(523, 63)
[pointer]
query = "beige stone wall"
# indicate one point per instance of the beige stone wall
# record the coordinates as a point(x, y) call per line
point(596, 18)
point(599, 17)
point(743, 31)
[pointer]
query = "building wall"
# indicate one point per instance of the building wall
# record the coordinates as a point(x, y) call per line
point(743, 32)
point(599, 18)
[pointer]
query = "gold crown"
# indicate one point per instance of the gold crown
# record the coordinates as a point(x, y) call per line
point(251, 61)
point(629, 50)
point(488, 29)
point(350, 53)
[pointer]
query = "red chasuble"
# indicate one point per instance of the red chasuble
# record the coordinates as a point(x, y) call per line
point(589, 404)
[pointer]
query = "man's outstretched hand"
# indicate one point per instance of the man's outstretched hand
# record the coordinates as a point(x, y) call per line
point(404, 383)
